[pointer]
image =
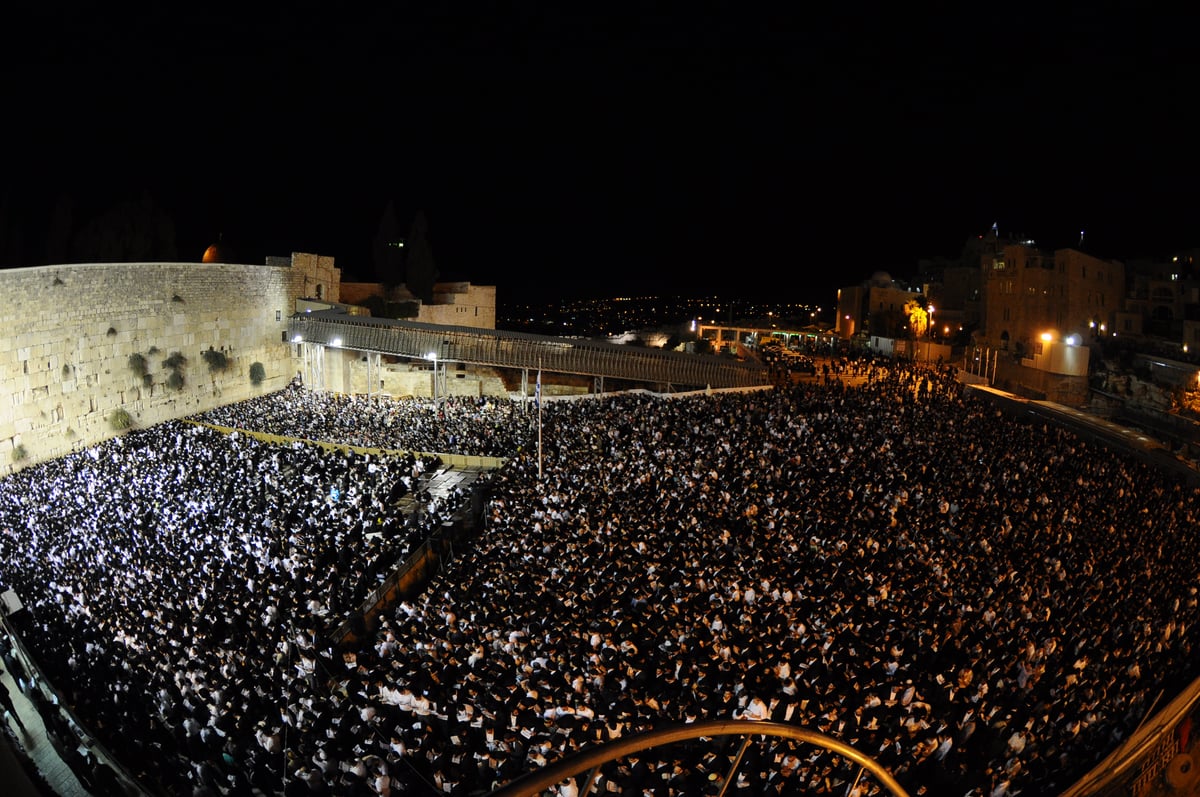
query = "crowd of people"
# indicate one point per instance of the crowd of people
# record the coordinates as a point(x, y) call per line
point(457, 424)
point(983, 605)
point(169, 574)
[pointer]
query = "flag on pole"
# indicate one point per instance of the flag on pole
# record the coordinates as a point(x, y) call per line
point(537, 392)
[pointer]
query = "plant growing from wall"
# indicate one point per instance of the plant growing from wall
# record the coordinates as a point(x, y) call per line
point(120, 419)
point(111, 331)
point(139, 365)
point(175, 364)
point(19, 453)
point(257, 374)
point(217, 361)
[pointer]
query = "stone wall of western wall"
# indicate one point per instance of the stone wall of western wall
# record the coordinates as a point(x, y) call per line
point(68, 333)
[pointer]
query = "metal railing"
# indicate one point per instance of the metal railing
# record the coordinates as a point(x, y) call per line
point(589, 761)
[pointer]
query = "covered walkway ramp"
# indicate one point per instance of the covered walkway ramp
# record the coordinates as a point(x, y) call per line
point(316, 331)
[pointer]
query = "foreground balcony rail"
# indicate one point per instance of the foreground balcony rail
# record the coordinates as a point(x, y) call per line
point(539, 782)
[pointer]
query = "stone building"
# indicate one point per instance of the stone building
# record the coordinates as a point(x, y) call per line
point(1030, 293)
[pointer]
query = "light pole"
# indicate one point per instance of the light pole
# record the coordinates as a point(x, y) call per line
point(929, 334)
point(432, 356)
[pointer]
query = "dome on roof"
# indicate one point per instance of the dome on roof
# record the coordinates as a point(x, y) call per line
point(220, 252)
point(881, 279)
point(214, 254)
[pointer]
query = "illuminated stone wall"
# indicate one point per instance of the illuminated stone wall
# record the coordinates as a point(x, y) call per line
point(67, 334)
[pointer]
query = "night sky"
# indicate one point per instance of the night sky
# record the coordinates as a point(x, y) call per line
point(712, 149)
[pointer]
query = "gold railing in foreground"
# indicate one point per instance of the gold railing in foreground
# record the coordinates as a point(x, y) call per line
point(590, 760)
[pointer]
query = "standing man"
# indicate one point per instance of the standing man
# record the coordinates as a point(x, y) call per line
point(7, 703)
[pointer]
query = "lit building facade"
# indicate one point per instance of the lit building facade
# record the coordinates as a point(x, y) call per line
point(1029, 292)
point(875, 308)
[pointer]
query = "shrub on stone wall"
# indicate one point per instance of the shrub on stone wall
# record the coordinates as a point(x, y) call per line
point(175, 364)
point(120, 420)
point(19, 453)
point(257, 373)
point(138, 364)
point(217, 361)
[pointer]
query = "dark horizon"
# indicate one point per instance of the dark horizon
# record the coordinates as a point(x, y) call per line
point(558, 154)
